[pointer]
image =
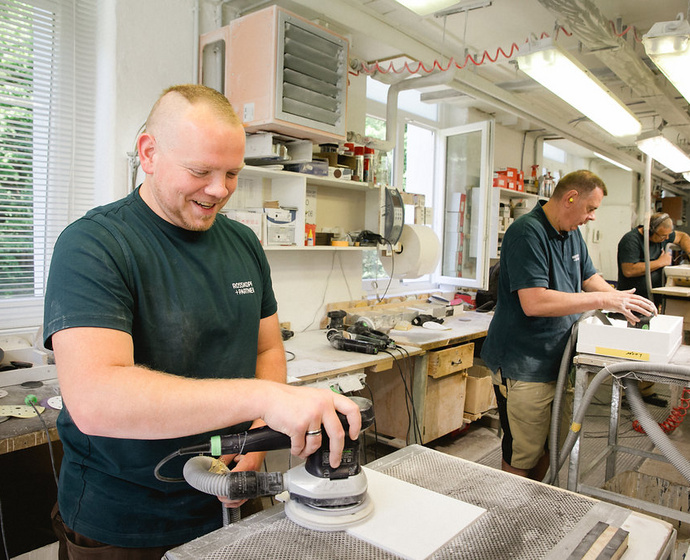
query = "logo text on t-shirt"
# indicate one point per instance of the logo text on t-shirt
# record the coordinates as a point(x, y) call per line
point(242, 288)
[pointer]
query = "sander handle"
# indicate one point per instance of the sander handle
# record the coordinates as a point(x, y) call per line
point(268, 439)
point(257, 439)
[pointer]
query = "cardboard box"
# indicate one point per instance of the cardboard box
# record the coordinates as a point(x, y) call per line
point(501, 181)
point(658, 344)
point(510, 172)
point(480, 395)
point(279, 226)
point(253, 220)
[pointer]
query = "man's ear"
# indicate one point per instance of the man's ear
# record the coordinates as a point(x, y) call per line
point(146, 147)
point(571, 196)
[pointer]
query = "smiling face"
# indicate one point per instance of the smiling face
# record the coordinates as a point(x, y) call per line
point(192, 157)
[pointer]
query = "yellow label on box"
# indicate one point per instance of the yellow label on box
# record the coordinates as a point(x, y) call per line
point(627, 354)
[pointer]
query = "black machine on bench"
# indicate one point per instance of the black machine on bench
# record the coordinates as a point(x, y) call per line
point(320, 497)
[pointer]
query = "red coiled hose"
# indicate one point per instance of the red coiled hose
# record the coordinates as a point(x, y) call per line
point(675, 417)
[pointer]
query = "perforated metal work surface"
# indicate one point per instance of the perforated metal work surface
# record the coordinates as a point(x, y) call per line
point(525, 520)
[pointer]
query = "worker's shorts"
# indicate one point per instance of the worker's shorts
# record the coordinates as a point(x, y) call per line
point(525, 412)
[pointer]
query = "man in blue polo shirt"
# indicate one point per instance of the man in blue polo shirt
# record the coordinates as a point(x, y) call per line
point(546, 281)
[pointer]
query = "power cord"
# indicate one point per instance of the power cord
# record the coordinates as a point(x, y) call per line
point(31, 400)
point(413, 422)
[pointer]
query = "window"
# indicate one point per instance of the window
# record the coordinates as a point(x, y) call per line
point(47, 116)
point(554, 153)
point(418, 166)
point(412, 167)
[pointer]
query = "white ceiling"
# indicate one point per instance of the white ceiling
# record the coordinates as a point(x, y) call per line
point(381, 30)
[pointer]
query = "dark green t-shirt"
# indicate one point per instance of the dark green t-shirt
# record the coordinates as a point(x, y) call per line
point(631, 250)
point(534, 254)
point(192, 302)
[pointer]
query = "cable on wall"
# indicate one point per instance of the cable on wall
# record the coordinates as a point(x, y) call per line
point(375, 67)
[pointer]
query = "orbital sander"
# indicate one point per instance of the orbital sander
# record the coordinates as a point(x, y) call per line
point(317, 496)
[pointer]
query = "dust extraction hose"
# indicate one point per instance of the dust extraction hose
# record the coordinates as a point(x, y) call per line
point(563, 371)
point(657, 436)
point(236, 485)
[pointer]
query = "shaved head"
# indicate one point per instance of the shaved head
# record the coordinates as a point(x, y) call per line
point(192, 151)
point(176, 100)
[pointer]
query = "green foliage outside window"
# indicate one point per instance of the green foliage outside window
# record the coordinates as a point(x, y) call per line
point(16, 160)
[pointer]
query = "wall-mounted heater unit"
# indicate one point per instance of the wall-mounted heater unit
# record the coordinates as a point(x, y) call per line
point(281, 73)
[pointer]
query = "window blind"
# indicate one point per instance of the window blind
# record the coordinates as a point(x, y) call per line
point(47, 135)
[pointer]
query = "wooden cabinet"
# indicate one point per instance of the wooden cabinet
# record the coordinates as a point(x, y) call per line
point(435, 384)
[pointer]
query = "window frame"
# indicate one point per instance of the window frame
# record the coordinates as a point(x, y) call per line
point(378, 287)
point(61, 173)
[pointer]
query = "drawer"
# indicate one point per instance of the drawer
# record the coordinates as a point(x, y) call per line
point(449, 360)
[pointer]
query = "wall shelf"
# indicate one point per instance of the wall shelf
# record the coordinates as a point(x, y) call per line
point(510, 193)
point(268, 173)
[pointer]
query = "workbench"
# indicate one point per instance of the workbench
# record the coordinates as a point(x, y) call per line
point(315, 359)
point(525, 520)
point(585, 366)
point(437, 382)
point(22, 433)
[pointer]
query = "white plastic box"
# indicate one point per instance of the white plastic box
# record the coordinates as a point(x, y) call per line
point(658, 344)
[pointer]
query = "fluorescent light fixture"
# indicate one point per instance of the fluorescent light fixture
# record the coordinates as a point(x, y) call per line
point(665, 152)
point(668, 45)
point(686, 176)
point(612, 162)
point(427, 7)
point(559, 72)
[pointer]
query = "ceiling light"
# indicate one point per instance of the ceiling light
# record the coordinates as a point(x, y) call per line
point(668, 45)
point(427, 7)
point(665, 152)
point(612, 162)
point(559, 72)
point(686, 176)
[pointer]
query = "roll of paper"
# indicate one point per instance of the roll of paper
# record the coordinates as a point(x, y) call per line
point(419, 255)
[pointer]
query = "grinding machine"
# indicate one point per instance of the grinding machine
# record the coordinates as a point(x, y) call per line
point(316, 495)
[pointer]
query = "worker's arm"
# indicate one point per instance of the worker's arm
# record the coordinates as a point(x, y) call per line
point(683, 239)
point(108, 395)
point(271, 366)
point(270, 361)
point(633, 270)
point(598, 294)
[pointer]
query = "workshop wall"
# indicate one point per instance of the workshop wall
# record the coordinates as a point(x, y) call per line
point(143, 48)
point(613, 218)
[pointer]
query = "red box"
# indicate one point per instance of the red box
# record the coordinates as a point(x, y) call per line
point(501, 181)
point(510, 172)
point(512, 184)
